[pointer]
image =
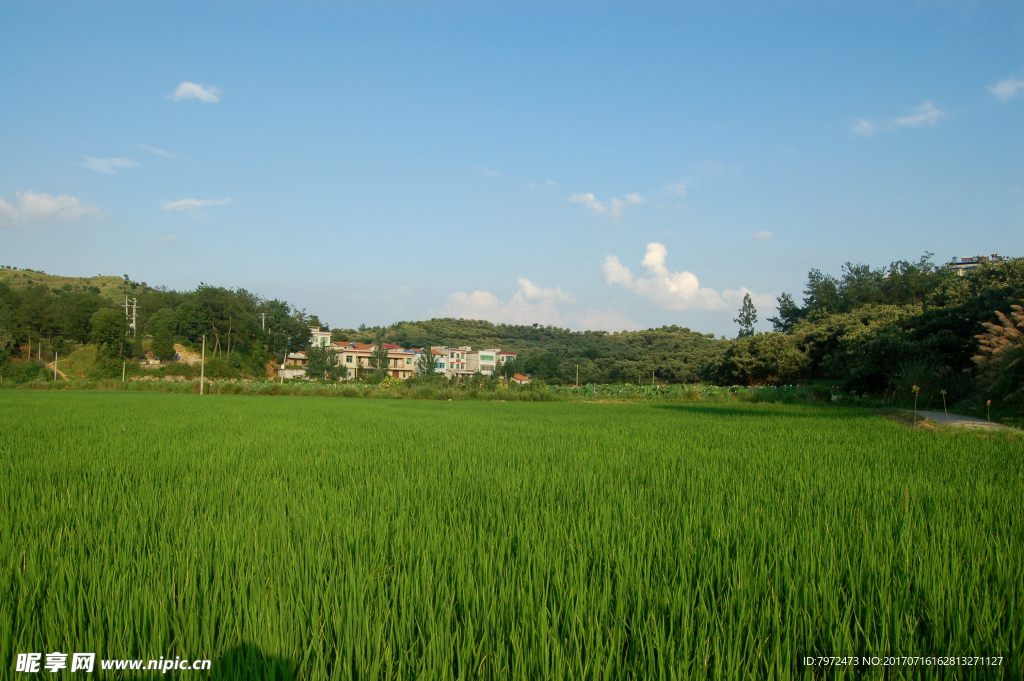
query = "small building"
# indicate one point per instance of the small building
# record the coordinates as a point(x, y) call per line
point(963, 265)
point(520, 379)
point(294, 366)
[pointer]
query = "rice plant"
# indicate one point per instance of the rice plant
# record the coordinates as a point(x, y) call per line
point(344, 539)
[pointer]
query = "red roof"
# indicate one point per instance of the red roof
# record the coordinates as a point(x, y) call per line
point(392, 346)
point(520, 377)
point(506, 353)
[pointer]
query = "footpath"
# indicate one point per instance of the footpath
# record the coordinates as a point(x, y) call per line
point(959, 420)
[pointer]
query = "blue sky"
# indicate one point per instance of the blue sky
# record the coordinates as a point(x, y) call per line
point(589, 165)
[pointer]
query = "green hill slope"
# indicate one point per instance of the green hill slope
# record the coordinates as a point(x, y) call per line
point(112, 288)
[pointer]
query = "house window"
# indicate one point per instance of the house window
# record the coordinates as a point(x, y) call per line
point(349, 359)
point(408, 360)
point(487, 358)
point(440, 365)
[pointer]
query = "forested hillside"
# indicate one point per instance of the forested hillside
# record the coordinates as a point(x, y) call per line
point(42, 314)
point(876, 330)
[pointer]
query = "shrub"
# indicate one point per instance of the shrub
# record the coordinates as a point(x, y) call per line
point(1001, 349)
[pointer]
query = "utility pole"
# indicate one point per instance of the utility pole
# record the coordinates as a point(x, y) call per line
point(131, 316)
point(284, 360)
point(55, 365)
point(202, 367)
point(124, 363)
point(577, 375)
point(263, 316)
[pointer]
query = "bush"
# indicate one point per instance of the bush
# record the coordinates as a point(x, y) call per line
point(220, 368)
point(180, 369)
point(761, 359)
point(111, 368)
point(22, 372)
point(1001, 357)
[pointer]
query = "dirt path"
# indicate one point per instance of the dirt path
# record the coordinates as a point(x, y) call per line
point(185, 354)
point(59, 372)
point(958, 420)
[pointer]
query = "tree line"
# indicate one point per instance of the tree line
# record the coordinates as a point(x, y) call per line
point(243, 330)
point(875, 330)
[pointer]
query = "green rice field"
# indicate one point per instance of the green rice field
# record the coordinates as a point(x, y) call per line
point(308, 538)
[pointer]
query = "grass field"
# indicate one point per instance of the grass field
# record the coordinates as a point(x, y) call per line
point(343, 538)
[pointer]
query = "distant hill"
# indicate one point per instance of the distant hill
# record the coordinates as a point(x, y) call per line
point(111, 288)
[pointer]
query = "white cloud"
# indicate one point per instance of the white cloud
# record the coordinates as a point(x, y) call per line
point(192, 204)
point(863, 127)
point(159, 152)
point(552, 183)
point(532, 304)
point(531, 185)
point(531, 291)
point(678, 189)
point(107, 165)
point(33, 206)
point(762, 301)
point(763, 235)
point(8, 214)
point(614, 207)
point(167, 239)
point(591, 202)
point(1006, 89)
point(204, 93)
point(673, 290)
point(518, 310)
point(925, 116)
point(489, 173)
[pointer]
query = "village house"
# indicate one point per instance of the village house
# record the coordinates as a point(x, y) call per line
point(403, 363)
point(464, 361)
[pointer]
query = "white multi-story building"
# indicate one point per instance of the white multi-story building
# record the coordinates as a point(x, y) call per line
point(318, 337)
point(464, 361)
point(486, 361)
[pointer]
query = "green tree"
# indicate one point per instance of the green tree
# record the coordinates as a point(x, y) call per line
point(747, 318)
point(6, 335)
point(428, 364)
point(379, 357)
point(763, 358)
point(322, 363)
point(789, 314)
point(544, 366)
point(109, 329)
point(163, 326)
point(510, 368)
